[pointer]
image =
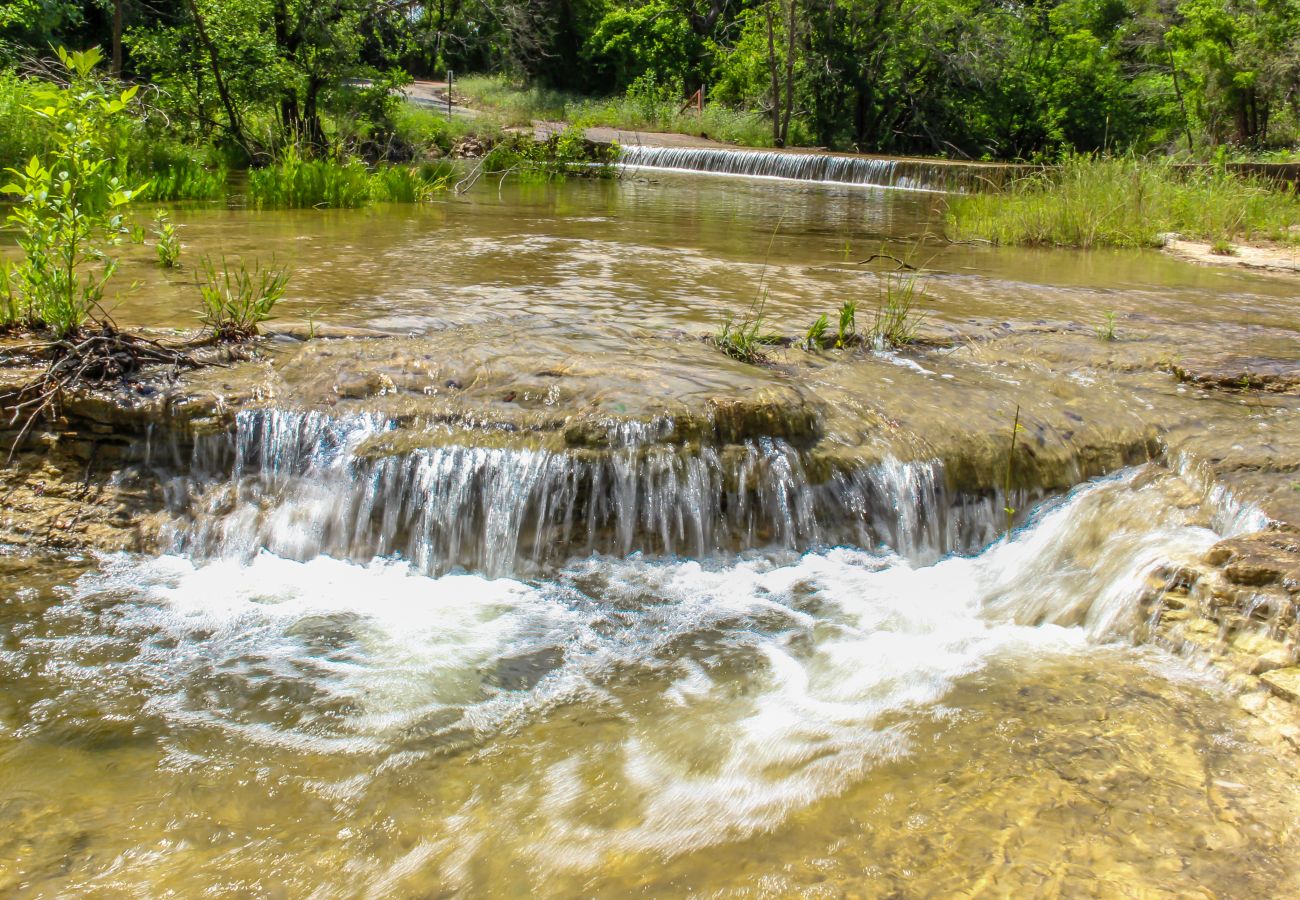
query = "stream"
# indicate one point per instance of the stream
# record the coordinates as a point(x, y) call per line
point(526, 590)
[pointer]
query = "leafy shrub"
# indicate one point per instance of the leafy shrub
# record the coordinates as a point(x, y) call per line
point(69, 208)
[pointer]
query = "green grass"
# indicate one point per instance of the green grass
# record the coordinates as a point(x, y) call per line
point(419, 126)
point(236, 300)
point(745, 339)
point(294, 182)
point(510, 105)
point(1124, 202)
point(898, 314)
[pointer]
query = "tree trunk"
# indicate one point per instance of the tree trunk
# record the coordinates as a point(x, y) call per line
point(117, 39)
point(236, 128)
point(792, 28)
point(776, 81)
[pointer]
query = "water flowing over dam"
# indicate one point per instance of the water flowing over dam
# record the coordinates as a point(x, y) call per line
point(826, 168)
point(496, 577)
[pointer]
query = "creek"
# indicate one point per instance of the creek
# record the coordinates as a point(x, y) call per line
point(520, 588)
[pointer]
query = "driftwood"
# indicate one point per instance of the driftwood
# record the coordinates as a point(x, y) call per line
point(97, 357)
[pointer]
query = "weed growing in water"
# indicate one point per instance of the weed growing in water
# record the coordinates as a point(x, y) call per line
point(1016, 428)
point(898, 315)
point(744, 339)
point(168, 244)
point(236, 301)
point(815, 339)
point(13, 312)
point(846, 331)
point(1106, 330)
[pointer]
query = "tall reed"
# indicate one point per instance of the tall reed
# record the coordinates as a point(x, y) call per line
point(1125, 201)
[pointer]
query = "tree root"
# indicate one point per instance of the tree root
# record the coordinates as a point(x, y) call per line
point(97, 357)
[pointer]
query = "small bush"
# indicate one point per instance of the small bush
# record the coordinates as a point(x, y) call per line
point(236, 301)
point(168, 242)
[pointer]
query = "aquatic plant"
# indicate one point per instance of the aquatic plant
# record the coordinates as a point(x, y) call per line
point(296, 182)
point(13, 311)
point(168, 246)
point(898, 314)
point(182, 178)
point(846, 332)
point(815, 338)
point(744, 339)
point(237, 300)
point(1016, 428)
point(1106, 330)
point(1089, 201)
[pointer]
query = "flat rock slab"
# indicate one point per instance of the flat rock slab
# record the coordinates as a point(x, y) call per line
point(1284, 682)
point(1230, 371)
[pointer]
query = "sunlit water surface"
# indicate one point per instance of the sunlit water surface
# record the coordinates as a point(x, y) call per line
point(841, 722)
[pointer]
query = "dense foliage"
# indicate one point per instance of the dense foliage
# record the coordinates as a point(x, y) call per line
point(968, 78)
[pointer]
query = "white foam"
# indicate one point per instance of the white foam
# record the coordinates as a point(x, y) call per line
point(757, 687)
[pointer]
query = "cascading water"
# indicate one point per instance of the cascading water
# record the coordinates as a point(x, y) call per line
point(307, 484)
point(634, 711)
point(821, 167)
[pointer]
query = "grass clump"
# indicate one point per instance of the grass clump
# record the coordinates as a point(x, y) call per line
point(185, 178)
point(815, 337)
point(745, 339)
point(236, 300)
point(294, 182)
point(14, 312)
point(898, 314)
point(1090, 201)
point(897, 319)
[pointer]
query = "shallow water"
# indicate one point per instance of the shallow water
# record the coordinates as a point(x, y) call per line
point(780, 725)
point(481, 665)
point(672, 252)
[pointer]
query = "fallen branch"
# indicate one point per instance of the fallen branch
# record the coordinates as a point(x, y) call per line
point(902, 264)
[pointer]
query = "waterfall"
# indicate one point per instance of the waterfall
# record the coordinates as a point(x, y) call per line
point(821, 167)
point(304, 484)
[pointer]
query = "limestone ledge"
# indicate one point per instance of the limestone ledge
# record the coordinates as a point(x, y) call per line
point(1239, 611)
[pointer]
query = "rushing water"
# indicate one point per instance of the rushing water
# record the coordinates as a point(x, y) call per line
point(393, 656)
point(772, 724)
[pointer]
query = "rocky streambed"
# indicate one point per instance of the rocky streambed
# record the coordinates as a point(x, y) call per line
point(470, 447)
